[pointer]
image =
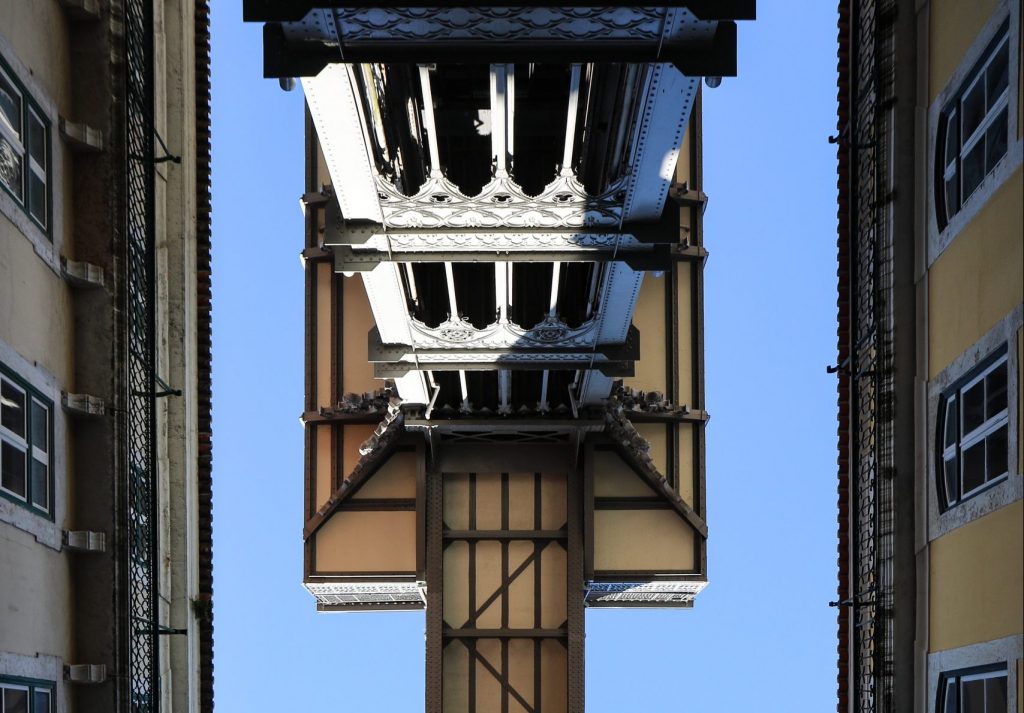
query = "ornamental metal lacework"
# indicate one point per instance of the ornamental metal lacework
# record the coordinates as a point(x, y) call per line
point(564, 203)
point(460, 332)
point(680, 593)
point(141, 564)
point(343, 593)
point(872, 399)
point(500, 24)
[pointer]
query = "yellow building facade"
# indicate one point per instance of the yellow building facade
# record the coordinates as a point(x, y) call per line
point(931, 315)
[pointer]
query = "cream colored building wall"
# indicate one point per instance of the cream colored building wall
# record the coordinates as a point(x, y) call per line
point(973, 288)
point(177, 358)
point(36, 336)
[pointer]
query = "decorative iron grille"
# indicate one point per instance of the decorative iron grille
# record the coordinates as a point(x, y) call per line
point(872, 469)
point(141, 563)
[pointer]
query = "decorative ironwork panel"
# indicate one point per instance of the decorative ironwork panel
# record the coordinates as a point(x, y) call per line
point(871, 362)
point(141, 561)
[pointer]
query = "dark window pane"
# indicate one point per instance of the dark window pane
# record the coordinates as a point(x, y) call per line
point(972, 110)
point(952, 195)
point(996, 453)
point(973, 169)
point(972, 695)
point(995, 689)
point(40, 485)
point(41, 702)
point(12, 408)
point(995, 391)
point(995, 140)
point(997, 75)
point(973, 467)
point(10, 105)
point(973, 404)
point(12, 469)
point(37, 197)
point(15, 701)
point(40, 427)
point(37, 140)
point(951, 480)
point(950, 697)
point(952, 140)
point(950, 438)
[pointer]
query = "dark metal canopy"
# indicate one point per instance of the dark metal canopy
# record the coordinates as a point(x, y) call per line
point(291, 10)
point(283, 58)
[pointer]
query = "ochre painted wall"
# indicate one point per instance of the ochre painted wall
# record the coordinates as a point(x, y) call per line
point(647, 540)
point(976, 585)
point(953, 26)
point(979, 279)
point(367, 542)
point(357, 371)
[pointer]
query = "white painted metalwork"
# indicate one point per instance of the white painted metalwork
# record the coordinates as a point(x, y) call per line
point(501, 283)
point(336, 115)
point(570, 121)
point(556, 270)
point(502, 203)
point(618, 300)
point(477, 240)
point(664, 115)
point(504, 389)
point(458, 332)
point(428, 122)
point(365, 593)
point(453, 304)
point(499, 120)
point(627, 593)
point(387, 302)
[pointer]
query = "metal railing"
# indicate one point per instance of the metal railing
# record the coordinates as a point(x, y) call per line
point(871, 374)
point(141, 488)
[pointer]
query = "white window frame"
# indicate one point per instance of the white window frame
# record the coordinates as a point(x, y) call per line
point(952, 118)
point(27, 444)
point(19, 141)
point(954, 681)
point(952, 400)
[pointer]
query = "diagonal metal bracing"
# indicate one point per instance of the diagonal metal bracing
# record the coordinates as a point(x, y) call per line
point(502, 601)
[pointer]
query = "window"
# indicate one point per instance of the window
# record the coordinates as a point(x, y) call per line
point(973, 691)
point(22, 695)
point(973, 130)
point(24, 149)
point(26, 445)
point(973, 431)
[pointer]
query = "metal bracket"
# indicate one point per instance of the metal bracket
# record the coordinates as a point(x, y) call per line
point(683, 195)
point(158, 629)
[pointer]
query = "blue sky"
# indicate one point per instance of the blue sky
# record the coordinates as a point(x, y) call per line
point(762, 637)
